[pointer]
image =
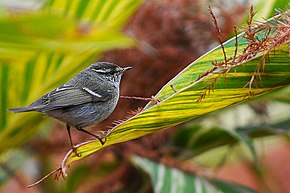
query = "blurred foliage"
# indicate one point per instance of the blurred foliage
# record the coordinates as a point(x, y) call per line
point(42, 49)
point(208, 133)
point(169, 179)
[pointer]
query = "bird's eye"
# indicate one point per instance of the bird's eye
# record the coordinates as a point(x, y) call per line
point(111, 71)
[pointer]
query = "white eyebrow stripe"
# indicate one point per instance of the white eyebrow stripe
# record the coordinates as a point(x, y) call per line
point(92, 92)
point(101, 71)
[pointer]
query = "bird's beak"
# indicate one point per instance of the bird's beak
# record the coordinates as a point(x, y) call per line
point(126, 68)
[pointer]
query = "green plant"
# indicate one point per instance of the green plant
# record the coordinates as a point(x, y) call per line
point(36, 57)
point(42, 49)
point(248, 66)
point(251, 65)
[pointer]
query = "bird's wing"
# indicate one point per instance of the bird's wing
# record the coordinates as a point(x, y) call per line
point(66, 96)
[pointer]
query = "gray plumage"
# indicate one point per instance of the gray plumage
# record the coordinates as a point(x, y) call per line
point(88, 98)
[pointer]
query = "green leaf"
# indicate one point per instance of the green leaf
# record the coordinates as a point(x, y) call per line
point(247, 141)
point(220, 137)
point(283, 95)
point(201, 88)
point(228, 187)
point(11, 164)
point(110, 12)
point(77, 177)
point(199, 139)
point(41, 50)
point(266, 10)
point(167, 179)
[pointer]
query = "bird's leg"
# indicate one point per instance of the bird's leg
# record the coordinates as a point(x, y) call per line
point(71, 143)
point(97, 137)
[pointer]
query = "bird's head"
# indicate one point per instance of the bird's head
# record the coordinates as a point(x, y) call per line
point(109, 71)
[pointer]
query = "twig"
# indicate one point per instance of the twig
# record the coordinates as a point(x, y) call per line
point(219, 35)
point(136, 98)
point(157, 101)
point(236, 44)
point(49, 174)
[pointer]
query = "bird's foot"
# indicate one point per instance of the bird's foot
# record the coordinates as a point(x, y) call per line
point(102, 140)
point(102, 136)
point(74, 149)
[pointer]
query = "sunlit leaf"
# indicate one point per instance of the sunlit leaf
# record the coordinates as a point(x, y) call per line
point(202, 88)
point(111, 12)
point(266, 10)
point(41, 50)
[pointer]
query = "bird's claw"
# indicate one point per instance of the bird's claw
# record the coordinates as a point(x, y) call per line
point(102, 136)
point(74, 149)
point(102, 141)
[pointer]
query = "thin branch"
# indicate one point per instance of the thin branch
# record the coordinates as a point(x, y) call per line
point(219, 35)
point(236, 44)
point(157, 101)
point(58, 174)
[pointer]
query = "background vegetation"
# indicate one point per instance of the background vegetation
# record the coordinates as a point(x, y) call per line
point(229, 144)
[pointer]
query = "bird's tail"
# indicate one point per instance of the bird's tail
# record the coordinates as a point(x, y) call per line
point(22, 109)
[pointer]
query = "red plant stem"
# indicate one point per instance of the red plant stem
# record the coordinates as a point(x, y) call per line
point(137, 98)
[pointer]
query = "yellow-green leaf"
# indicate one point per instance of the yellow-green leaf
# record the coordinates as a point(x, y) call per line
point(202, 87)
point(42, 50)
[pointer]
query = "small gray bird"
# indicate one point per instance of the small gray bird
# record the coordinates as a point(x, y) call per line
point(88, 98)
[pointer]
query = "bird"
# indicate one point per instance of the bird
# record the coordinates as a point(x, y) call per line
point(87, 99)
